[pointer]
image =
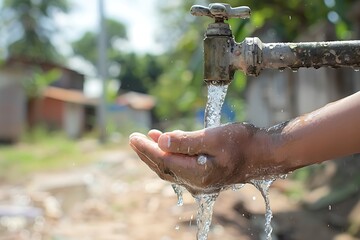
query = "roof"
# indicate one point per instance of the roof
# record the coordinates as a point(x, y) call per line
point(67, 95)
point(137, 101)
point(34, 63)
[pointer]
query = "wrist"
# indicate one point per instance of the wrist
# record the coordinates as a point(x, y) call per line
point(286, 152)
point(275, 149)
point(265, 156)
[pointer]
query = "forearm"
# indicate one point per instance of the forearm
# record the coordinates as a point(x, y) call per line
point(330, 132)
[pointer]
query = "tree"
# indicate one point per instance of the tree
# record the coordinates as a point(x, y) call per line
point(85, 46)
point(30, 27)
point(137, 72)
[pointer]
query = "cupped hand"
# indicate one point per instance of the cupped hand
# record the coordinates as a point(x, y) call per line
point(236, 153)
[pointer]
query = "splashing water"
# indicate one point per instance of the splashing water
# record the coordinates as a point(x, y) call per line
point(263, 186)
point(179, 193)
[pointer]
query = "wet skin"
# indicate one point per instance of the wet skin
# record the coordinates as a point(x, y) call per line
point(239, 152)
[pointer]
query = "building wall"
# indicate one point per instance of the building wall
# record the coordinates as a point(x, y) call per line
point(73, 119)
point(51, 113)
point(12, 106)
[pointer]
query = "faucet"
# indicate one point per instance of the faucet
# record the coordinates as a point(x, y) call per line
point(223, 55)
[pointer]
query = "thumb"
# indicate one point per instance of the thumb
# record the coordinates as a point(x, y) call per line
point(190, 143)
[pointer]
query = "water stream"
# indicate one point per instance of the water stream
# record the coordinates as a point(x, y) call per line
point(204, 214)
point(216, 98)
point(263, 186)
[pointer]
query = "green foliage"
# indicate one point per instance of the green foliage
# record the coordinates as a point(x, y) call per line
point(86, 45)
point(138, 72)
point(112, 89)
point(30, 27)
point(38, 81)
point(290, 18)
point(176, 96)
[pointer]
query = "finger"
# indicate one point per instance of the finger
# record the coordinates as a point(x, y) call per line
point(167, 165)
point(139, 143)
point(190, 143)
point(154, 134)
point(177, 168)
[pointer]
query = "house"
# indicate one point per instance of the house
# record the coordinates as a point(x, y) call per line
point(66, 109)
point(20, 111)
point(131, 111)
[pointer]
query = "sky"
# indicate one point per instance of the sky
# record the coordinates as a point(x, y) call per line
point(139, 16)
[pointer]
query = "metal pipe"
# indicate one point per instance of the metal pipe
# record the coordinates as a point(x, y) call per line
point(251, 56)
point(334, 54)
point(102, 73)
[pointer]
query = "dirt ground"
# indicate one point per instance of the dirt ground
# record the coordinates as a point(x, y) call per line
point(119, 198)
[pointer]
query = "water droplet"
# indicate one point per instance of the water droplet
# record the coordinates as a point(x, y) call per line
point(347, 58)
point(330, 207)
point(290, 17)
point(356, 69)
point(237, 187)
point(283, 176)
point(202, 160)
point(281, 69)
point(179, 192)
point(295, 70)
point(191, 219)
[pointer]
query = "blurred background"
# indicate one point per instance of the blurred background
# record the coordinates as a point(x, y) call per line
point(77, 77)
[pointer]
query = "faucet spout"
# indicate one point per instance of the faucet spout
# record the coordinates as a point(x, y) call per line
point(218, 41)
point(217, 54)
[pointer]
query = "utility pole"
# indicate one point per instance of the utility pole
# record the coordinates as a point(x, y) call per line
point(102, 73)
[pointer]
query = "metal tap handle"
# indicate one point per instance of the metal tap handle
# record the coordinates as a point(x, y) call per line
point(221, 11)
